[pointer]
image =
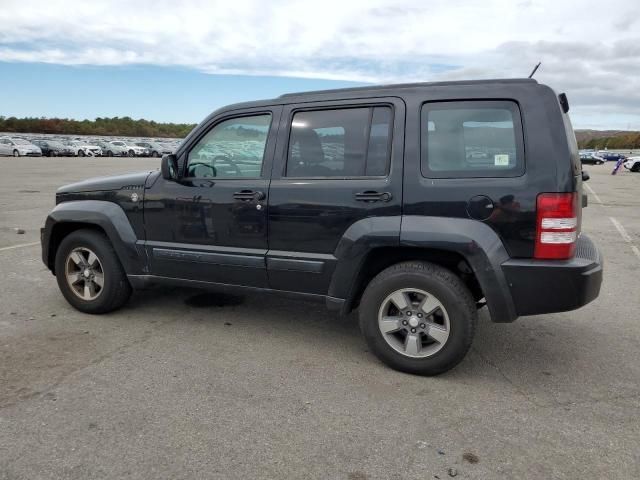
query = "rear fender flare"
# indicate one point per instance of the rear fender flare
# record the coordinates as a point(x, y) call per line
point(480, 246)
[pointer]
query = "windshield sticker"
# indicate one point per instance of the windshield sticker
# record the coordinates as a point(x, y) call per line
point(501, 160)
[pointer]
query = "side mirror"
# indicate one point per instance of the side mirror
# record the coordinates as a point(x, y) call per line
point(169, 167)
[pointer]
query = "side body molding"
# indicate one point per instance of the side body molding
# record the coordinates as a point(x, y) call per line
point(477, 243)
point(109, 217)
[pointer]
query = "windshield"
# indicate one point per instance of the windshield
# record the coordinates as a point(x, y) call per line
point(20, 141)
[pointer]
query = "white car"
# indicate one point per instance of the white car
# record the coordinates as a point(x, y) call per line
point(18, 147)
point(83, 149)
point(133, 149)
point(632, 164)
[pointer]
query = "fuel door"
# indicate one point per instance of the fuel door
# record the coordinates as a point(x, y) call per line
point(480, 207)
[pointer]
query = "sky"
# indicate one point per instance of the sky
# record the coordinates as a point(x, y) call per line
point(177, 61)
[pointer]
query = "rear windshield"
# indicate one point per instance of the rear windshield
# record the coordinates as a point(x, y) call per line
point(471, 139)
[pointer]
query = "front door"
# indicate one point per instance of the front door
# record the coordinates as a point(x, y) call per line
point(211, 224)
point(337, 164)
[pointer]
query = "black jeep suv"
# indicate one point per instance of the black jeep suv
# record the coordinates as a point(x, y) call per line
point(416, 204)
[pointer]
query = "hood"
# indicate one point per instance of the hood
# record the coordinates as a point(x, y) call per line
point(114, 182)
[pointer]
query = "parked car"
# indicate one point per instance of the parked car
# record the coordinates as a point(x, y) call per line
point(111, 149)
point(83, 149)
point(18, 147)
point(611, 157)
point(53, 148)
point(632, 164)
point(591, 159)
point(396, 223)
point(132, 149)
point(156, 149)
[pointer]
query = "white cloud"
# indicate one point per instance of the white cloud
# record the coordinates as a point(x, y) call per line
point(588, 49)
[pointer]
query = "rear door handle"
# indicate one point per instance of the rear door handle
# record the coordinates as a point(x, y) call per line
point(249, 195)
point(372, 196)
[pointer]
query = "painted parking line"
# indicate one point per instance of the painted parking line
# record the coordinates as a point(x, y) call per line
point(22, 245)
point(625, 236)
point(592, 192)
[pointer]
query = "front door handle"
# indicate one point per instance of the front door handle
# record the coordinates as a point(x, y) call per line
point(249, 195)
point(372, 196)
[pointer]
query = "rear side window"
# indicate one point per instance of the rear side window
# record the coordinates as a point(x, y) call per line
point(471, 139)
point(348, 142)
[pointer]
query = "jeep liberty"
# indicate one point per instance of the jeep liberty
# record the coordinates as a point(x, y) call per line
point(415, 204)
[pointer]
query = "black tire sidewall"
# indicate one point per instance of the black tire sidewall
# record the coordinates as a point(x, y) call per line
point(461, 312)
point(114, 276)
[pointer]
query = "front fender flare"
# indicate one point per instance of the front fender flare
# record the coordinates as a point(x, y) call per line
point(106, 215)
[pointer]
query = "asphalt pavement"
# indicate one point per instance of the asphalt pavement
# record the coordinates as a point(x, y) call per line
point(181, 384)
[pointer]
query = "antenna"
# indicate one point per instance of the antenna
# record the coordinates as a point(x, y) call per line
point(535, 69)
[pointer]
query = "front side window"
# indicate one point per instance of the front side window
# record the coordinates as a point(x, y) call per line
point(349, 142)
point(234, 148)
point(471, 139)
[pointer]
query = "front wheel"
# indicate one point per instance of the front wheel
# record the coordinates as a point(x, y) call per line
point(418, 318)
point(89, 273)
point(155, 154)
point(81, 153)
point(16, 153)
point(132, 153)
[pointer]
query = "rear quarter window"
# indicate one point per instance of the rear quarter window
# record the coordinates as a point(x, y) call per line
point(471, 139)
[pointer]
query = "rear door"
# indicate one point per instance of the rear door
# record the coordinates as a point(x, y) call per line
point(336, 164)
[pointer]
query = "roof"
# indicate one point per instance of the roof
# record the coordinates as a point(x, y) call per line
point(411, 85)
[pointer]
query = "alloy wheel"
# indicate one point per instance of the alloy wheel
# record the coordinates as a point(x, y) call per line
point(414, 323)
point(84, 273)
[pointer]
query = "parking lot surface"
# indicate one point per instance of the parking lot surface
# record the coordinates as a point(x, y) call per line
point(184, 385)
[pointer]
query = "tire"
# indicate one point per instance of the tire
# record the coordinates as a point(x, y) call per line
point(636, 167)
point(16, 153)
point(115, 289)
point(599, 162)
point(109, 153)
point(455, 314)
point(132, 153)
point(81, 153)
point(155, 154)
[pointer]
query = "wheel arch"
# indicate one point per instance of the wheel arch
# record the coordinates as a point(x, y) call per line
point(105, 217)
point(467, 247)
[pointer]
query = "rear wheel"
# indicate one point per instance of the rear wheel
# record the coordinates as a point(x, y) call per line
point(89, 273)
point(16, 153)
point(418, 318)
point(132, 153)
point(109, 153)
point(155, 154)
point(81, 153)
point(636, 167)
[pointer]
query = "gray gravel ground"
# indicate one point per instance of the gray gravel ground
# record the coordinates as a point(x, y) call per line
point(262, 387)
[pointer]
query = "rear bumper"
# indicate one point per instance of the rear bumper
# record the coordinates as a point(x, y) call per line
point(547, 286)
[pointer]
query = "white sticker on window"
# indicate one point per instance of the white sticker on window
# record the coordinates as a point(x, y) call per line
point(501, 160)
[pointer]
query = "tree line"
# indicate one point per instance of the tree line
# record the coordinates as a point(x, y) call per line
point(116, 126)
point(629, 141)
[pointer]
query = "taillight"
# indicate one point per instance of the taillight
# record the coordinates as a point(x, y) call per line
point(557, 225)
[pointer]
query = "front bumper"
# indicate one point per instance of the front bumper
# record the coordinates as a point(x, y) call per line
point(547, 286)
